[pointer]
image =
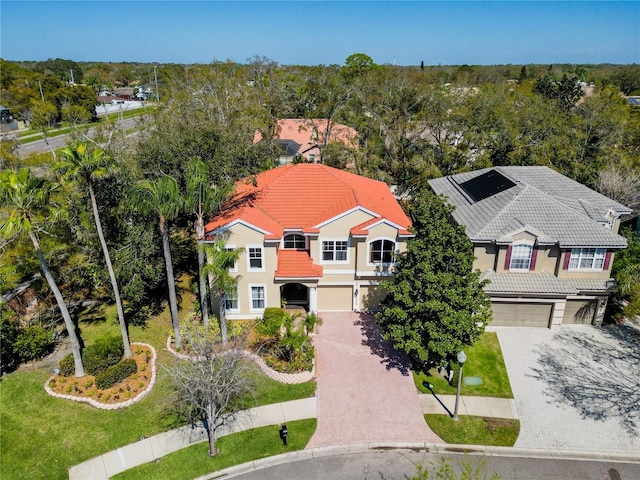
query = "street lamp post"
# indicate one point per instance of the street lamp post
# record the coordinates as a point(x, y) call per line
point(462, 357)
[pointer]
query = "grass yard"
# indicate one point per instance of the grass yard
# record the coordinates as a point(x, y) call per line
point(470, 430)
point(42, 436)
point(484, 360)
point(234, 449)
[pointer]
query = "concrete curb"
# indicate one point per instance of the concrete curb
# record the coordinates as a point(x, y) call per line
point(419, 447)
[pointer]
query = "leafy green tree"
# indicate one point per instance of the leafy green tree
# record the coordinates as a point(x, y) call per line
point(27, 200)
point(566, 91)
point(162, 198)
point(43, 116)
point(81, 164)
point(435, 306)
point(358, 64)
point(221, 282)
point(626, 271)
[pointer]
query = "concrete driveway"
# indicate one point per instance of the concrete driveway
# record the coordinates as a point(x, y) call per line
point(576, 388)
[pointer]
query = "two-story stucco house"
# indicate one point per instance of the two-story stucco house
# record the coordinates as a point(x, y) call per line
point(545, 242)
point(313, 236)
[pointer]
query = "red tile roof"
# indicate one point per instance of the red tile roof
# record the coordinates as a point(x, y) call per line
point(310, 132)
point(296, 264)
point(303, 197)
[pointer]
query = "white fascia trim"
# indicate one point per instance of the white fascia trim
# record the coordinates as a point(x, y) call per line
point(298, 279)
point(387, 221)
point(339, 272)
point(347, 212)
point(239, 222)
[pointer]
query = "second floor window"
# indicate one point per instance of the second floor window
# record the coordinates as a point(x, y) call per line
point(587, 258)
point(334, 250)
point(255, 257)
point(295, 242)
point(381, 251)
point(521, 257)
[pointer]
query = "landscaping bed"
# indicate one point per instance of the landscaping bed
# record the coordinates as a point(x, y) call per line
point(122, 393)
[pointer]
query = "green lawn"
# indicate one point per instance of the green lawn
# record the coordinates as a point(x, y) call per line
point(484, 360)
point(470, 430)
point(234, 449)
point(42, 436)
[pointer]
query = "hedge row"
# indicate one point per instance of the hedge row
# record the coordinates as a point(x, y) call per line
point(116, 373)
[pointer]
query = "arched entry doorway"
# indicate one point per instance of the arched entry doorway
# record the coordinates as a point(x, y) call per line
point(294, 295)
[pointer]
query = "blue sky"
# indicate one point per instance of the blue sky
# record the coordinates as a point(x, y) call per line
point(315, 32)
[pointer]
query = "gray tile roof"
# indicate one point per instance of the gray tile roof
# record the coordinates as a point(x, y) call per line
point(525, 282)
point(552, 206)
point(591, 284)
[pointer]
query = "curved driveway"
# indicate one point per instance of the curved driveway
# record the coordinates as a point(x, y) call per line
point(365, 390)
point(576, 388)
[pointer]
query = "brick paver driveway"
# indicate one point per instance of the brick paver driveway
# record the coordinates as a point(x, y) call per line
point(365, 390)
point(577, 388)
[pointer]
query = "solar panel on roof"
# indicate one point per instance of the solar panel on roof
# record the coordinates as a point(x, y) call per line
point(486, 185)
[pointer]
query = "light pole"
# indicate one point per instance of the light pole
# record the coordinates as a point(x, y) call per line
point(462, 357)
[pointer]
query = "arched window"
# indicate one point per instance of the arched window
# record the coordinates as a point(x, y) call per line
point(295, 241)
point(381, 251)
point(521, 256)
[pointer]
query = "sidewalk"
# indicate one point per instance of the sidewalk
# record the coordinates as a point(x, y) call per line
point(152, 448)
point(475, 406)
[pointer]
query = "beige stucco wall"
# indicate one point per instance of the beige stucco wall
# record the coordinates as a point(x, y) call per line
point(485, 256)
point(382, 231)
point(583, 273)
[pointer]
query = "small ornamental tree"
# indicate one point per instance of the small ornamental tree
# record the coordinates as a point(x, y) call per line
point(435, 306)
point(211, 384)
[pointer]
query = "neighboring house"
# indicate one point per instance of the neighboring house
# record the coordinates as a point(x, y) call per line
point(305, 138)
point(545, 242)
point(313, 236)
point(633, 101)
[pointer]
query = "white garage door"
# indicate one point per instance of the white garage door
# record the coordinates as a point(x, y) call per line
point(579, 311)
point(335, 298)
point(521, 314)
point(371, 296)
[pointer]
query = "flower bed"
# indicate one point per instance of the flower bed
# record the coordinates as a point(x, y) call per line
point(133, 389)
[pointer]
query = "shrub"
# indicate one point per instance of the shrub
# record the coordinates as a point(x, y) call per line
point(9, 330)
point(116, 373)
point(33, 343)
point(104, 353)
point(67, 366)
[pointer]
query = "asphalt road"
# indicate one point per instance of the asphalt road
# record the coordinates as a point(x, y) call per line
point(392, 465)
point(60, 141)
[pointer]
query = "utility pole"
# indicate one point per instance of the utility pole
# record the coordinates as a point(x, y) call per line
point(155, 74)
point(41, 94)
point(72, 81)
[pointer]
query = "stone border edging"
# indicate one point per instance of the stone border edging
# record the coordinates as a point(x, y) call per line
point(111, 406)
point(287, 378)
point(337, 450)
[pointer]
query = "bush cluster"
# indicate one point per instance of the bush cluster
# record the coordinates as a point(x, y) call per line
point(116, 373)
point(21, 344)
point(283, 340)
point(102, 354)
point(67, 366)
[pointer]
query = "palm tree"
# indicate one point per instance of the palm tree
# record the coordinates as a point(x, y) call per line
point(27, 196)
point(162, 198)
point(80, 164)
point(201, 198)
point(219, 261)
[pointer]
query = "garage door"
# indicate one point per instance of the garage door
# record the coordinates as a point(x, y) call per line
point(335, 298)
point(521, 314)
point(579, 311)
point(371, 296)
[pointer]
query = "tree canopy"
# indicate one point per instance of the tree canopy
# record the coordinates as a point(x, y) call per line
point(435, 306)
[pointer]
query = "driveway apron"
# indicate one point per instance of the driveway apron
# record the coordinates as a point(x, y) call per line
point(365, 390)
